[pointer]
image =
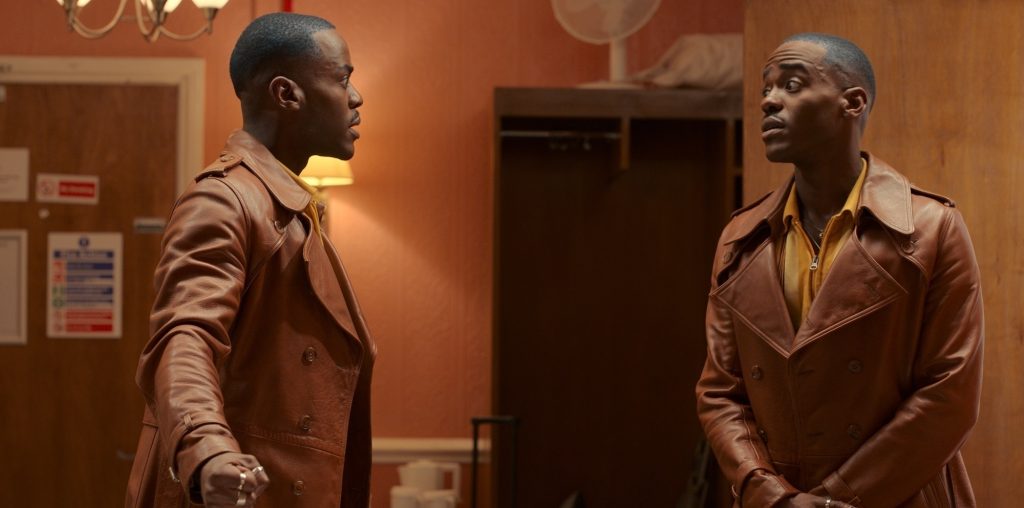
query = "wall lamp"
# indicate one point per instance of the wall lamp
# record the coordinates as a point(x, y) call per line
point(321, 172)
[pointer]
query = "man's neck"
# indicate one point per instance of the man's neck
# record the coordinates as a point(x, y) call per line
point(267, 133)
point(823, 186)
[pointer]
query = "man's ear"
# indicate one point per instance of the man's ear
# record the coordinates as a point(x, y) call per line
point(286, 94)
point(855, 102)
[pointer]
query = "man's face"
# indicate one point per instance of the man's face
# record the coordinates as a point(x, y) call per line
point(330, 114)
point(802, 104)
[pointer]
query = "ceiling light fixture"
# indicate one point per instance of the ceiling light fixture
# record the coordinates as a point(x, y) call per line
point(155, 10)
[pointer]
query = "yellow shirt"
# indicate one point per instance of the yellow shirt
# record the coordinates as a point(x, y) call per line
point(311, 208)
point(801, 268)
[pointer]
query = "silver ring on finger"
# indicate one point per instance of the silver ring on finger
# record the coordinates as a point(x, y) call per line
point(256, 470)
point(242, 498)
point(241, 481)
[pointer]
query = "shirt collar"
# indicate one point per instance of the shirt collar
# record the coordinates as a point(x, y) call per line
point(792, 208)
point(885, 193)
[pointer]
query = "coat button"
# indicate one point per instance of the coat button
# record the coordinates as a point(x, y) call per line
point(855, 366)
point(298, 487)
point(309, 355)
point(854, 431)
point(764, 435)
point(306, 423)
point(756, 373)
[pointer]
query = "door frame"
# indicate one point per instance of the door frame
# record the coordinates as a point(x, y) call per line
point(187, 74)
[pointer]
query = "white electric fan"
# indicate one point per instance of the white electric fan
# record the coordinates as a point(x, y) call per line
point(606, 22)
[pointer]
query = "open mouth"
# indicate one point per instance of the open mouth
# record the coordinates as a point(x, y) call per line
point(771, 127)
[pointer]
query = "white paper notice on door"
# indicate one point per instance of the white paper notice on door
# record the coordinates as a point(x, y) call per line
point(13, 174)
point(84, 285)
point(13, 286)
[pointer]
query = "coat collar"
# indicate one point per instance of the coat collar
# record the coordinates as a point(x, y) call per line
point(886, 194)
point(258, 159)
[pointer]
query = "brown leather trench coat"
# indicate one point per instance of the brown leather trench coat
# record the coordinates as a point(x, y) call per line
point(257, 346)
point(870, 400)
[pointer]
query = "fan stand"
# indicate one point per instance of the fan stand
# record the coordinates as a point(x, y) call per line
point(617, 77)
point(617, 60)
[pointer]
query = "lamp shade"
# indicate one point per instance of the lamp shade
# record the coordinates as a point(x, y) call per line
point(210, 4)
point(169, 5)
point(327, 172)
point(79, 3)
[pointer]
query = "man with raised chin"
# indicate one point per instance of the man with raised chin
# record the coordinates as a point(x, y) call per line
point(257, 373)
point(844, 323)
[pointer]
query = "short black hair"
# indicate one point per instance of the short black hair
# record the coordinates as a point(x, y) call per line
point(270, 38)
point(852, 64)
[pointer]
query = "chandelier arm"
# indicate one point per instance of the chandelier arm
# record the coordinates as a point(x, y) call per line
point(87, 32)
point(95, 33)
point(189, 37)
point(150, 34)
point(208, 13)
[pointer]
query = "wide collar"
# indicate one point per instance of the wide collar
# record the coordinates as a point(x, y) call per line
point(886, 195)
point(255, 156)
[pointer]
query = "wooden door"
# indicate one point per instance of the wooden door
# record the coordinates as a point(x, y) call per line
point(602, 284)
point(949, 115)
point(69, 408)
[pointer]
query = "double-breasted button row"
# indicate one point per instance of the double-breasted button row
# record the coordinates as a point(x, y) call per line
point(855, 366)
point(298, 487)
point(306, 423)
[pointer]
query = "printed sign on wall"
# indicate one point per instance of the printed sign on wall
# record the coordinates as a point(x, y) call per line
point(80, 189)
point(84, 285)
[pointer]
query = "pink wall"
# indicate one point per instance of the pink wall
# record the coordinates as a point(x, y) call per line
point(415, 231)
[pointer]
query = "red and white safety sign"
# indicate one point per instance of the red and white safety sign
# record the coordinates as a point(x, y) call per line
point(56, 188)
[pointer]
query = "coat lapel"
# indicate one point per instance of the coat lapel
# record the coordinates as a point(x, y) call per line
point(855, 287)
point(325, 283)
point(755, 297)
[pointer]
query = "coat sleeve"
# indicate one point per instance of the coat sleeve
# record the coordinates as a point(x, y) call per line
point(725, 413)
point(199, 282)
point(933, 422)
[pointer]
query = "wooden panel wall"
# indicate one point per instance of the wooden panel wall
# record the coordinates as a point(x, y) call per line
point(949, 115)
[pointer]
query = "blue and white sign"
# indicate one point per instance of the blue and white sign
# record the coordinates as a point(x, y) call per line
point(84, 285)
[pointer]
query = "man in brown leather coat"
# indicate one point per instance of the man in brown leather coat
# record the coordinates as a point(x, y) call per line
point(844, 324)
point(257, 374)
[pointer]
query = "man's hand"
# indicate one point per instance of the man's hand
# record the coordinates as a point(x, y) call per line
point(811, 501)
point(232, 479)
